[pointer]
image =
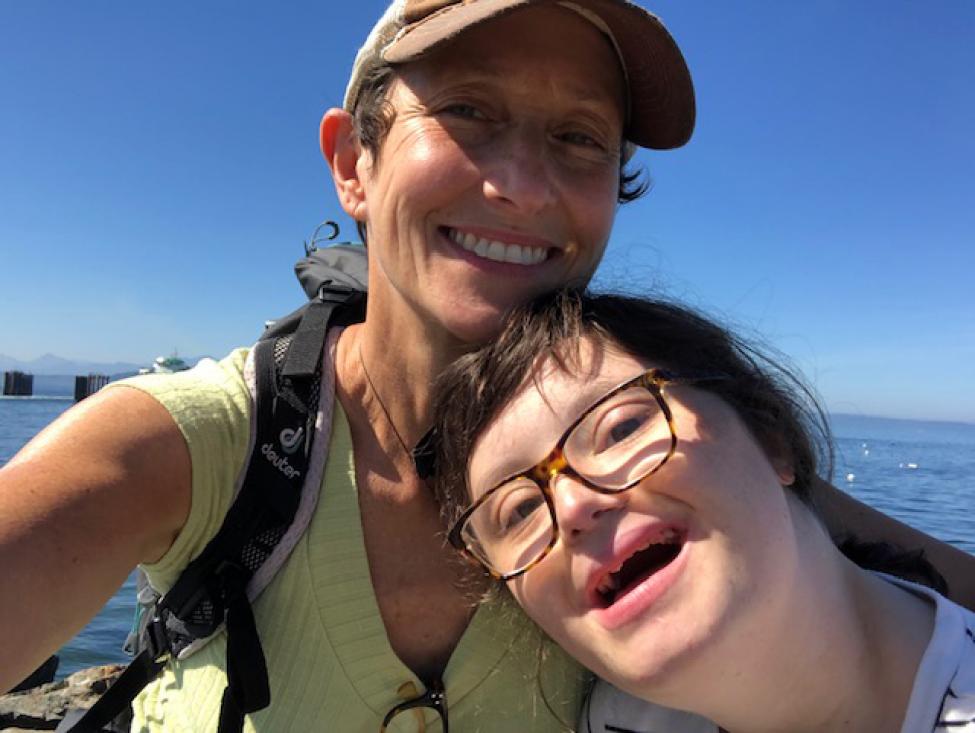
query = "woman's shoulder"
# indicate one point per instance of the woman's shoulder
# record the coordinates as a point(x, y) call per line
point(211, 405)
point(944, 686)
point(209, 379)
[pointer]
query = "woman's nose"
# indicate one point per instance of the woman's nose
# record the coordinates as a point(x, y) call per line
point(519, 175)
point(579, 508)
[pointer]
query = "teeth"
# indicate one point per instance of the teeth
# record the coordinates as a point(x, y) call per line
point(496, 252)
point(499, 251)
point(610, 582)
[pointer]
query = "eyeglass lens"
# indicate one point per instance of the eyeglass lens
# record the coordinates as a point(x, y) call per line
point(617, 443)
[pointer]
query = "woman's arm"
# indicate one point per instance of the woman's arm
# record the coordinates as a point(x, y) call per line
point(845, 515)
point(103, 488)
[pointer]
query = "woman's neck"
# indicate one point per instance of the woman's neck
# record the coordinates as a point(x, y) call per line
point(843, 659)
point(398, 363)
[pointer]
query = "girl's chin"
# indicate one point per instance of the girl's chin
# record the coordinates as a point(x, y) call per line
point(660, 659)
point(664, 680)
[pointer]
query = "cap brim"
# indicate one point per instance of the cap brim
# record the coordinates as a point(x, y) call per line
point(661, 94)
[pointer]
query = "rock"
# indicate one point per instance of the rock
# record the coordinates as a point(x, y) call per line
point(42, 708)
point(40, 676)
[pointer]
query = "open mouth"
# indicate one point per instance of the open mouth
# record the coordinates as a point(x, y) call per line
point(642, 564)
point(497, 251)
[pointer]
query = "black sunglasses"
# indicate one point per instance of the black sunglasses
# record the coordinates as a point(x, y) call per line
point(435, 697)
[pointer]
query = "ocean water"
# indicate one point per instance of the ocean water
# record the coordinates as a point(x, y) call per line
point(922, 473)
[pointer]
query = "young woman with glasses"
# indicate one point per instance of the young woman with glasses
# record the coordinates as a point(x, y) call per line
point(641, 480)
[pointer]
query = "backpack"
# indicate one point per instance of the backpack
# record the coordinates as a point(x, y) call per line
point(293, 392)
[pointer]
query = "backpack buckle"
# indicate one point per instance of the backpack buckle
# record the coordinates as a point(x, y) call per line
point(333, 292)
point(156, 638)
point(232, 579)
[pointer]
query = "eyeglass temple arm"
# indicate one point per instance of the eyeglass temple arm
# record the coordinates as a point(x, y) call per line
point(661, 377)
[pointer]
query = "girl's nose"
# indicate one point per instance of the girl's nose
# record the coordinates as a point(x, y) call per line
point(579, 508)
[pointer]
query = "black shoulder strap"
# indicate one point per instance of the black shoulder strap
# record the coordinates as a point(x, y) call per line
point(212, 590)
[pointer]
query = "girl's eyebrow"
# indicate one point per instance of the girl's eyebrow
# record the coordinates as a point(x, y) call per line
point(505, 466)
point(518, 458)
point(591, 391)
point(581, 400)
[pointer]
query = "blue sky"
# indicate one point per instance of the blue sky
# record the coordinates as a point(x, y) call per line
point(159, 169)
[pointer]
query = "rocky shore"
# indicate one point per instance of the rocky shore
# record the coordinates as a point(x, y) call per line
point(44, 706)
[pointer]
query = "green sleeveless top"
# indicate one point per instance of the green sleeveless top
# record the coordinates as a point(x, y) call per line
point(330, 664)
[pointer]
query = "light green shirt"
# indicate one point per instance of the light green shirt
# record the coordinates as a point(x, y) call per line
point(330, 664)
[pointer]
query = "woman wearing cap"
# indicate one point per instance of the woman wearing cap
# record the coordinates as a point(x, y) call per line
point(481, 174)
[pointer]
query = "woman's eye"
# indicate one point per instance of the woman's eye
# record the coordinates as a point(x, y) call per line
point(580, 138)
point(467, 111)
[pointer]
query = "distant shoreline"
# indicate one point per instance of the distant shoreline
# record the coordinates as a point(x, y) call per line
point(902, 420)
point(66, 393)
point(39, 397)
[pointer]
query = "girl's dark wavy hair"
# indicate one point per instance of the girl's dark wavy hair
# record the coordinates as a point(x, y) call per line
point(772, 401)
point(373, 116)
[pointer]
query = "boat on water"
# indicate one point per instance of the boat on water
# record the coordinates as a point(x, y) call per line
point(166, 365)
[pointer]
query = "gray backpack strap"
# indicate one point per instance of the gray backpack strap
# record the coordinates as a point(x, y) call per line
point(311, 489)
point(310, 492)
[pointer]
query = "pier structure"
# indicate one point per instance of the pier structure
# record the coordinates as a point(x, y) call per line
point(87, 384)
point(18, 384)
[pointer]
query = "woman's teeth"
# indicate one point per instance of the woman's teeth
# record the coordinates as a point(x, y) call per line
point(491, 249)
point(662, 551)
point(608, 584)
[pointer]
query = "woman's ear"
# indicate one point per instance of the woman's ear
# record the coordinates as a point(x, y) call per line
point(784, 470)
point(342, 152)
point(780, 457)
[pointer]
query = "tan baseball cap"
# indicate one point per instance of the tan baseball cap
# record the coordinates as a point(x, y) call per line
point(660, 91)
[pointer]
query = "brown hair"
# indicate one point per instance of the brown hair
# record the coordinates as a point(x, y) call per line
point(373, 117)
point(771, 400)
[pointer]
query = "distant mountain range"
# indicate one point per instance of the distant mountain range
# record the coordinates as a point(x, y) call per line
point(50, 364)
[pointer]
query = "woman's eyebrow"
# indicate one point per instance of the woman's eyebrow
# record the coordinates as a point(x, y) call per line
point(492, 74)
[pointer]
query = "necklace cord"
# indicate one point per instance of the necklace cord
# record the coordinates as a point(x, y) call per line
point(379, 399)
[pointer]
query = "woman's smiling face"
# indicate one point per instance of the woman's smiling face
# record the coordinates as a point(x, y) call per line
point(498, 177)
point(660, 588)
